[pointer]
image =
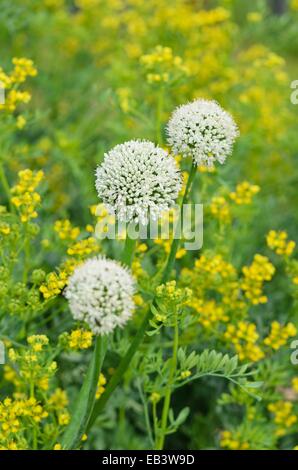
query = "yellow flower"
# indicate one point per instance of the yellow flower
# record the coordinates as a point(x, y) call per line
point(54, 284)
point(65, 230)
point(80, 339)
point(4, 228)
point(58, 399)
point(283, 416)
point(220, 209)
point(209, 312)
point(254, 276)
point(244, 193)
point(24, 196)
point(232, 441)
point(254, 17)
point(100, 386)
point(84, 247)
point(279, 335)
point(278, 242)
point(23, 68)
point(63, 418)
point(21, 122)
point(244, 337)
point(162, 65)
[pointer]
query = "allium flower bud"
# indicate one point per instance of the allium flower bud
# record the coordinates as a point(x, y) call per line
point(138, 180)
point(203, 131)
point(100, 292)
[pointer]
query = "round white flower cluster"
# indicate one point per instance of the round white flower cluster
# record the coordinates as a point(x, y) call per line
point(100, 292)
point(138, 181)
point(203, 131)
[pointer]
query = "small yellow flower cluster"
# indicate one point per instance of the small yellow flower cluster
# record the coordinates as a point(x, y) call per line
point(37, 342)
point(84, 247)
point(244, 337)
point(255, 275)
point(171, 293)
point(209, 312)
point(25, 198)
point(14, 414)
point(4, 228)
point(244, 193)
point(254, 17)
point(63, 418)
point(80, 339)
point(163, 65)
point(32, 364)
point(65, 230)
point(58, 399)
point(279, 335)
point(23, 68)
point(54, 284)
point(213, 274)
point(57, 403)
point(34, 408)
point(142, 248)
point(100, 386)
point(155, 397)
point(211, 17)
point(214, 265)
point(278, 242)
point(185, 374)
point(232, 442)
point(283, 416)
point(220, 209)
point(136, 268)
point(206, 169)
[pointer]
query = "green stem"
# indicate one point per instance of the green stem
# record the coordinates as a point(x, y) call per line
point(125, 361)
point(128, 251)
point(176, 241)
point(122, 367)
point(26, 256)
point(167, 399)
point(4, 182)
point(86, 399)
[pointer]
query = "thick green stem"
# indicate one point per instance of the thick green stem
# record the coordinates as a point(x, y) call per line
point(86, 399)
point(128, 250)
point(167, 399)
point(4, 182)
point(176, 241)
point(117, 376)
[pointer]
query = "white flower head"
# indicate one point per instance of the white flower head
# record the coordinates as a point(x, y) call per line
point(100, 292)
point(203, 131)
point(138, 180)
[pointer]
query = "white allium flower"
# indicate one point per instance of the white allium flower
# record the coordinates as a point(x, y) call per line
point(100, 292)
point(203, 131)
point(138, 180)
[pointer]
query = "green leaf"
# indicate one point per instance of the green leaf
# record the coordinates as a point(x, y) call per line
point(182, 416)
point(86, 398)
